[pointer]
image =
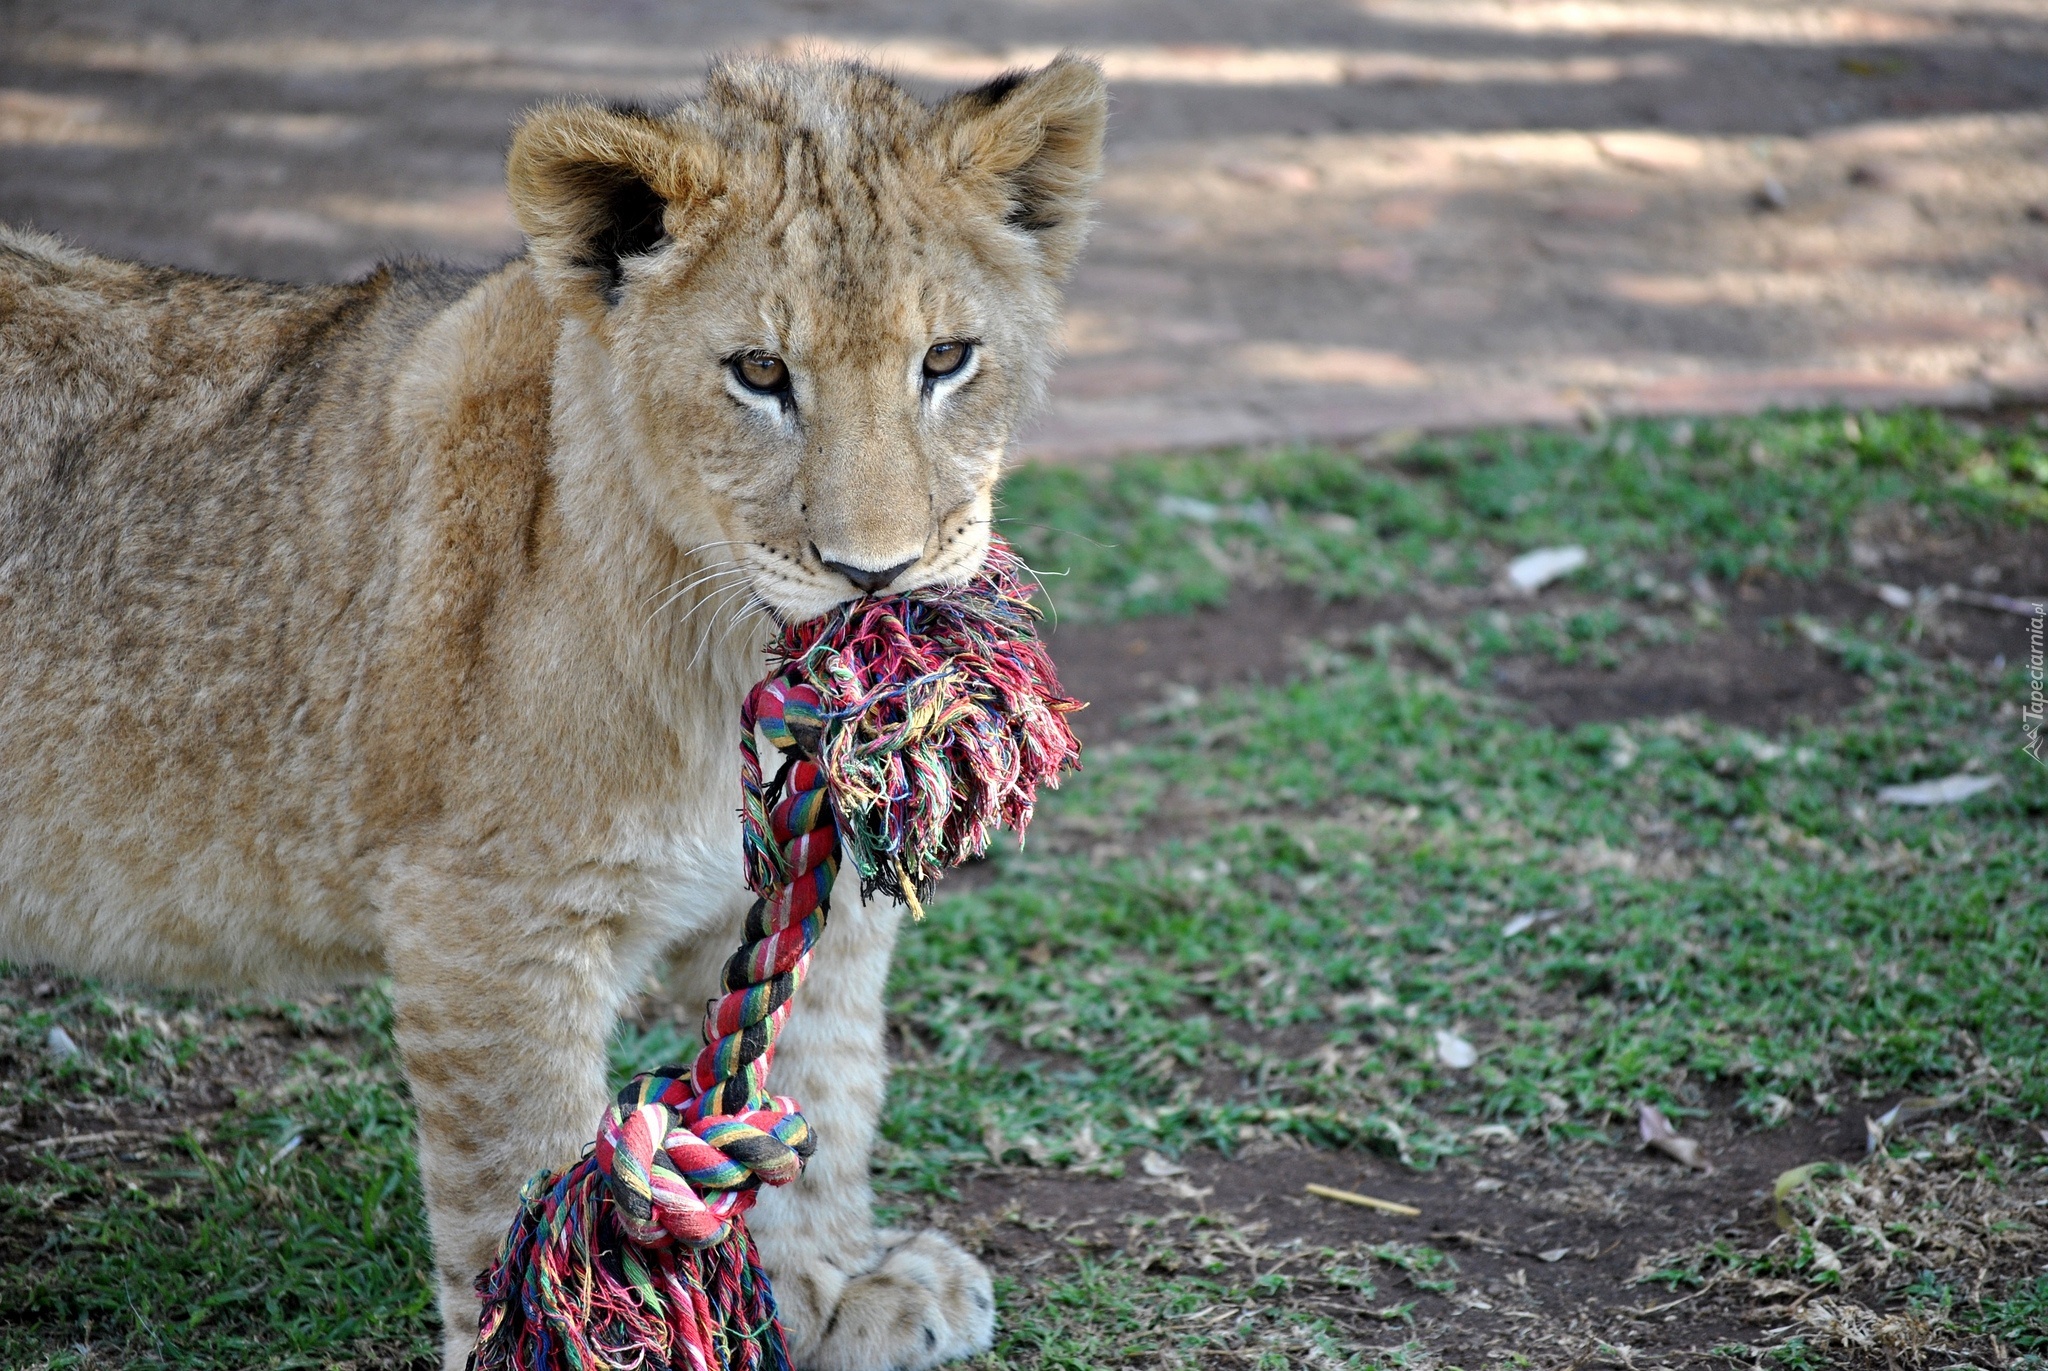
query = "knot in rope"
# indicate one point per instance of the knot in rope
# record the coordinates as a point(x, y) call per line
point(685, 1151)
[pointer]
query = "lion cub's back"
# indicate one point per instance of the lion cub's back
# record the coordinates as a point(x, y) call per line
point(190, 493)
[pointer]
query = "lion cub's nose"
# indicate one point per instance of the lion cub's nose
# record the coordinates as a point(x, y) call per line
point(870, 582)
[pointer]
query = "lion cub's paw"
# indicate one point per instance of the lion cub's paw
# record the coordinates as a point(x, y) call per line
point(924, 1304)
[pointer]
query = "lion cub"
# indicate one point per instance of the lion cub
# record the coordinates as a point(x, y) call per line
point(400, 628)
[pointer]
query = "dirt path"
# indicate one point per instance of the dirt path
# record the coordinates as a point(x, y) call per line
point(1322, 219)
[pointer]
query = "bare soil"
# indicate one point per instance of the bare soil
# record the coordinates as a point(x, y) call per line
point(1546, 1241)
point(1743, 674)
point(239, 1054)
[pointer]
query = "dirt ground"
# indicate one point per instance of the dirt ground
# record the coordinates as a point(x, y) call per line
point(1321, 219)
point(1547, 1243)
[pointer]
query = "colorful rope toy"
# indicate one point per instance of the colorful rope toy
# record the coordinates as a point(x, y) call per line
point(913, 727)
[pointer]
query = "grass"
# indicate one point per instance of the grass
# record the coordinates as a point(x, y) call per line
point(290, 1234)
point(1725, 916)
point(1255, 920)
point(1782, 493)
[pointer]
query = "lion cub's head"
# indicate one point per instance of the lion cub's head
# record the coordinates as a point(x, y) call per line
point(816, 306)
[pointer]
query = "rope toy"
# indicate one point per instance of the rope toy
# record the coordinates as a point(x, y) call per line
point(911, 728)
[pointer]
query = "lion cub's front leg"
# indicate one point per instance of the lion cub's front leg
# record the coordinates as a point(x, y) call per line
point(503, 1003)
point(852, 1297)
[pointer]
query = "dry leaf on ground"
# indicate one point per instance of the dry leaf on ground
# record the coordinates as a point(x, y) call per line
point(1522, 923)
point(1152, 1164)
point(1659, 1135)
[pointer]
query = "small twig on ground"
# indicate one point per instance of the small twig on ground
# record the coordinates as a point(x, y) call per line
point(1363, 1201)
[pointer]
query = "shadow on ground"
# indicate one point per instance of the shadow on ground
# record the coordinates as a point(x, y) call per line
point(1320, 220)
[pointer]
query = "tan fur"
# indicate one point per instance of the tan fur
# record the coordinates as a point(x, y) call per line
point(399, 628)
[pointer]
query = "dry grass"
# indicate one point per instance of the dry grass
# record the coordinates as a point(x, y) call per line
point(1933, 1252)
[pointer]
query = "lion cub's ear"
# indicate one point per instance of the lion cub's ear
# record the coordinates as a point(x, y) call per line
point(594, 186)
point(1038, 135)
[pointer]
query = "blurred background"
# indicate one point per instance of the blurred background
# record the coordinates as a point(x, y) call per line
point(1323, 219)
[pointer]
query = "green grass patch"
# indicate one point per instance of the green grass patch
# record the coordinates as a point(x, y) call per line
point(291, 1236)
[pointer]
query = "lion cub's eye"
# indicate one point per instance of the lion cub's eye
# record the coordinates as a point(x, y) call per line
point(943, 359)
point(762, 371)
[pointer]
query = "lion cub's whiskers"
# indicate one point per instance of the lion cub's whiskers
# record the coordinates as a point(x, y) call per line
point(1033, 571)
point(1043, 589)
point(715, 602)
point(686, 552)
point(690, 577)
point(711, 632)
point(698, 571)
point(713, 577)
point(753, 606)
